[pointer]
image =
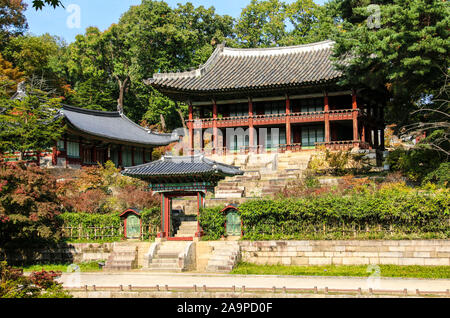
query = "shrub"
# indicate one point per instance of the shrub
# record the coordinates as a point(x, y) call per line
point(13, 284)
point(213, 223)
point(88, 202)
point(395, 211)
point(133, 196)
point(440, 176)
point(110, 224)
point(28, 204)
point(103, 189)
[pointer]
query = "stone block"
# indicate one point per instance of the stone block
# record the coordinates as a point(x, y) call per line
point(320, 260)
point(355, 261)
point(389, 261)
point(314, 254)
point(411, 261)
point(421, 254)
point(390, 254)
point(443, 248)
point(437, 261)
point(336, 260)
point(365, 254)
point(396, 248)
point(300, 261)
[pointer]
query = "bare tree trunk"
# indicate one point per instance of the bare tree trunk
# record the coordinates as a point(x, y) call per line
point(122, 87)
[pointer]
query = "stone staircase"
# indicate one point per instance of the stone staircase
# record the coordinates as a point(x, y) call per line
point(225, 256)
point(187, 229)
point(122, 258)
point(169, 257)
point(264, 174)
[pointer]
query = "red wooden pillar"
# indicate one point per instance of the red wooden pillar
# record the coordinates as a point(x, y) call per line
point(355, 116)
point(55, 155)
point(200, 205)
point(288, 123)
point(363, 132)
point(250, 125)
point(165, 216)
point(191, 129)
point(215, 132)
point(327, 118)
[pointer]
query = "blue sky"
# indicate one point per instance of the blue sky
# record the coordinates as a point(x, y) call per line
point(102, 13)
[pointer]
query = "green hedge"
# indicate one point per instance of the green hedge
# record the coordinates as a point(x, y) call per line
point(382, 215)
point(105, 227)
point(213, 223)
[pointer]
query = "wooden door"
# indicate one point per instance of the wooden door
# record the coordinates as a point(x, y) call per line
point(133, 226)
point(233, 224)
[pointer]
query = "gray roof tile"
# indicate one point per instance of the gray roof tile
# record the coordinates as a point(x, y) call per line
point(237, 69)
point(182, 166)
point(114, 126)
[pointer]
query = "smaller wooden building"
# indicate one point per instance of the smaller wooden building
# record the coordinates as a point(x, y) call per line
point(175, 177)
point(94, 137)
point(132, 223)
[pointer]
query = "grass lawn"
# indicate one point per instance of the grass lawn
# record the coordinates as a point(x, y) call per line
point(84, 267)
point(345, 270)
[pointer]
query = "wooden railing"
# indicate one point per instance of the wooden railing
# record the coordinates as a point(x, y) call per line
point(95, 233)
point(273, 119)
point(343, 145)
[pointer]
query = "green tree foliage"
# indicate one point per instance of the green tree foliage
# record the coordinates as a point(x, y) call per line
point(39, 4)
point(31, 123)
point(12, 20)
point(419, 163)
point(9, 78)
point(35, 55)
point(28, 205)
point(267, 23)
point(406, 55)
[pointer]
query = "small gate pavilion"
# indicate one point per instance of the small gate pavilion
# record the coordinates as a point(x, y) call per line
point(175, 177)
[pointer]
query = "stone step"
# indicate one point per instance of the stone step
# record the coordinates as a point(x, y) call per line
point(120, 263)
point(164, 260)
point(215, 268)
point(164, 267)
point(118, 268)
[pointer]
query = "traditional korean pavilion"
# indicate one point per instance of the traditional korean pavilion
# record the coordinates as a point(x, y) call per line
point(94, 137)
point(175, 177)
point(294, 89)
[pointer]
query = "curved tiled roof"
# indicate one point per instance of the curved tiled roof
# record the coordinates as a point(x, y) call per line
point(182, 166)
point(235, 69)
point(114, 126)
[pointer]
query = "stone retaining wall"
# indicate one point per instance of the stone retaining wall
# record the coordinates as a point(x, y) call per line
point(71, 253)
point(432, 252)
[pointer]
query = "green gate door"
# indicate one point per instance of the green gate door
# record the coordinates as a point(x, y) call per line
point(133, 226)
point(233, 224)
